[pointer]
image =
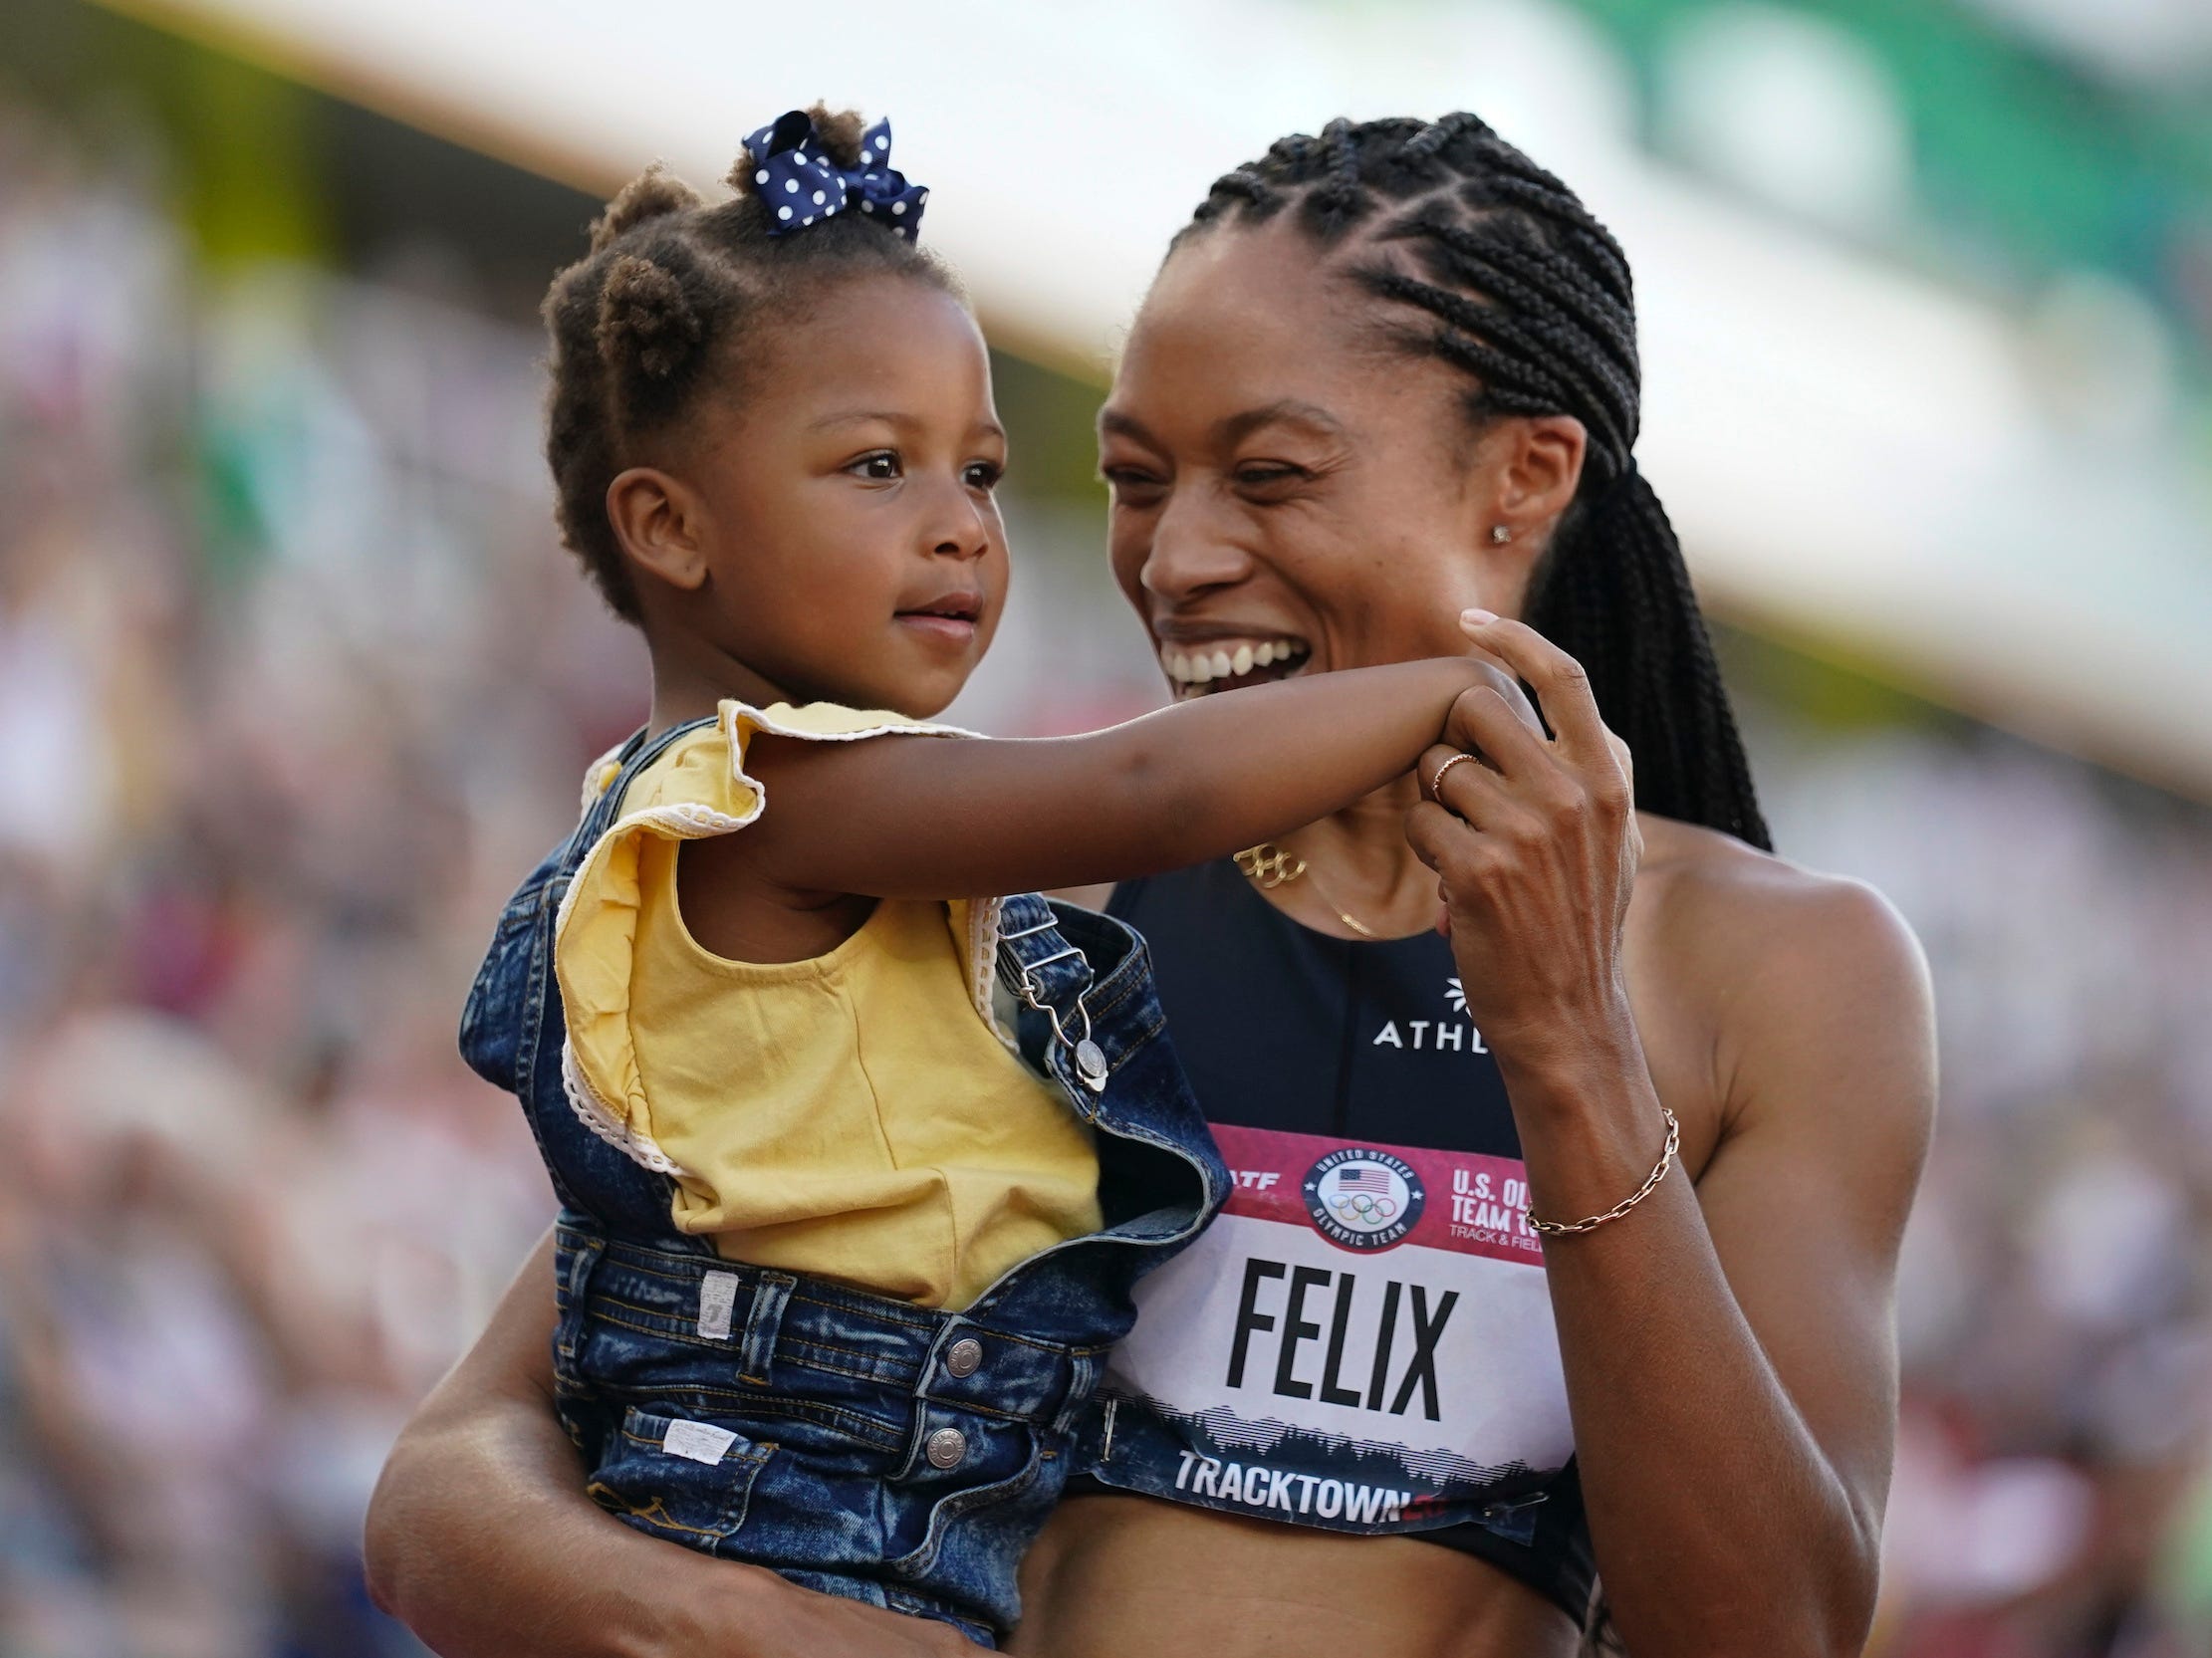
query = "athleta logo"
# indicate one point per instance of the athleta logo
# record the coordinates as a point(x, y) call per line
point(1363, 1200)
point(1454, 1036)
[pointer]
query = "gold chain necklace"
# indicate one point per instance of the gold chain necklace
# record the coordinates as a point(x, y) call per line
point(1268, 867)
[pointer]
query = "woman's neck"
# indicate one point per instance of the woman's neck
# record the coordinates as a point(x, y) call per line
point(1359, 866)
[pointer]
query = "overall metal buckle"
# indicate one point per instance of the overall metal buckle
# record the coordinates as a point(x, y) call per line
point(1090, 1061)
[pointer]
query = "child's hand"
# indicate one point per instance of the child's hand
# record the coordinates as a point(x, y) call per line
point(1486, 678)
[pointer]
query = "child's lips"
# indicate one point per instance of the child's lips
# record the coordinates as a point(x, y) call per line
point(948, 627)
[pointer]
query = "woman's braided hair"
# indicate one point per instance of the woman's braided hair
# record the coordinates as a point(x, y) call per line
point(675, 298)
point(1512, 280)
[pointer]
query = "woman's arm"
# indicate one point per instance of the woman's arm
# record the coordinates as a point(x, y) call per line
point(480, 1538)
point(1198, 781)
point(1729, 1356)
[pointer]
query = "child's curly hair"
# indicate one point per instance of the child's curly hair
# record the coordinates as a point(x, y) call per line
point(667, 302)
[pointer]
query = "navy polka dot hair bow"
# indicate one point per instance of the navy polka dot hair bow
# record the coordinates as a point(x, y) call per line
point(798, 184)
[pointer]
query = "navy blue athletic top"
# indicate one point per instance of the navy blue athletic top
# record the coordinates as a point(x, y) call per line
point(1364, 1340)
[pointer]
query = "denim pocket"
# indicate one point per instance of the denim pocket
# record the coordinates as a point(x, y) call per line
point(678, 1478)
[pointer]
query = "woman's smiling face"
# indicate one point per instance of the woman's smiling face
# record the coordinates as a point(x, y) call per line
point(1292, 492)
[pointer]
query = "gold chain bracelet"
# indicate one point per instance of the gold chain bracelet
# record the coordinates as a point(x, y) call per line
point(1563, 1228)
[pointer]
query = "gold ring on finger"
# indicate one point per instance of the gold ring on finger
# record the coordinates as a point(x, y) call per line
point(1436, 783)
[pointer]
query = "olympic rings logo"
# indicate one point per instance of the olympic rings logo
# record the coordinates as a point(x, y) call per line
point(1364, 1209)
point(1363, 1199)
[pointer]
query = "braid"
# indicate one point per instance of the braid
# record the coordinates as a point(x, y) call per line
point(667, 305)
point(1493, 265)
point(1340, 200)
point(1432, 138)
point(1618, 586)
point(1245, 189)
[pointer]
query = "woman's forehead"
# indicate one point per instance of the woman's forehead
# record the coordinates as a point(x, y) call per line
point(1259, 279)
point(1244, 317)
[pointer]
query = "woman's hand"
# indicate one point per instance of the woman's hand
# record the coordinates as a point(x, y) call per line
point(1536, 847)
point(751, 1611)
point(485, 1463)
point(1701, 1355)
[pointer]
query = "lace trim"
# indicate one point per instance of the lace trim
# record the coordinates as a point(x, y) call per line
point(983, 954)
point(690, 821)
point(758, 719)
point(596, 780)
point(686, 820)
point(595, 1113)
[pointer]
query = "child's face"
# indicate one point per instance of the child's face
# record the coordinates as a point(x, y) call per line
point(851, 546)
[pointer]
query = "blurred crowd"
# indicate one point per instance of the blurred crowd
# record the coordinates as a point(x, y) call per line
point(292, 687)
point(294, 684)
point(2056, 1293)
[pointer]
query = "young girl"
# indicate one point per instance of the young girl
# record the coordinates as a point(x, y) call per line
point(845, 1236)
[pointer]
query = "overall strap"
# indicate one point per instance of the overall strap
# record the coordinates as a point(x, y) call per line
point(1052, 976)
point(636, 753)
point(603, 1189)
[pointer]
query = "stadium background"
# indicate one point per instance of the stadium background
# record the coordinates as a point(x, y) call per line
point(293, 679)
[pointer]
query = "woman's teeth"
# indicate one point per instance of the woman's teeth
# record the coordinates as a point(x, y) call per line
point(1202, 667)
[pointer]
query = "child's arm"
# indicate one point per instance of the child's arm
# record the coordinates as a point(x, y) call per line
point(927, 817)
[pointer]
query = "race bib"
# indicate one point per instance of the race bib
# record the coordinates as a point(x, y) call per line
point(1363, 1341)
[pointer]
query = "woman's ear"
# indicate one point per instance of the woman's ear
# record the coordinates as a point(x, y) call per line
point(1537, 473)
point(657, 521)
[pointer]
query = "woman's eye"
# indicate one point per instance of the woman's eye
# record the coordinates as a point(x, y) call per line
point(1261, 475)
point(1131, 486)
point(881, 466)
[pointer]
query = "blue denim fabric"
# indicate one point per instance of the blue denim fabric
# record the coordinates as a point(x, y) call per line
point(856, 1444)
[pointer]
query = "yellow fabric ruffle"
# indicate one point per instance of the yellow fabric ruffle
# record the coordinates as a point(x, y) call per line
point(856, 1116)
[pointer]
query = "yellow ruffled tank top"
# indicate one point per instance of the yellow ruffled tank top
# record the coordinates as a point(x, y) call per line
point(858, 1115)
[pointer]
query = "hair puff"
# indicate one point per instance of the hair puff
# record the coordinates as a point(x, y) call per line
point(645, 320)
point(652, 194)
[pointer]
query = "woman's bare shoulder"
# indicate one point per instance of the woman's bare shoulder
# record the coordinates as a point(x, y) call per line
point(1716, 897)
point(1796, 970)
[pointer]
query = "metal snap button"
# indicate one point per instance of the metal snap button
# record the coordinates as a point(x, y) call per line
point(946, 1447)
point(964, 1356)
point(1091, 1063)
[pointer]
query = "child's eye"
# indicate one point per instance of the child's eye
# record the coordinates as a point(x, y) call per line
point(984, 475)
point(881, 466)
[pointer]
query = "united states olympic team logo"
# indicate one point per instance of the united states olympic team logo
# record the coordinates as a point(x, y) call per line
point(1362, 1199)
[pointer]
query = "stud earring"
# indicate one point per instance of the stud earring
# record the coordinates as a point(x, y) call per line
point(1500, 534)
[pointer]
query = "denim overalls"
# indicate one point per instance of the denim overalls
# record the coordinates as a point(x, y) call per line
point(856, 1444)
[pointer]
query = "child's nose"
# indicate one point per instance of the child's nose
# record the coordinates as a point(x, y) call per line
point(960, 527)
point(964, 546)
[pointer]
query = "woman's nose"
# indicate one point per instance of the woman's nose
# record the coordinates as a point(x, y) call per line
point(1192, 553)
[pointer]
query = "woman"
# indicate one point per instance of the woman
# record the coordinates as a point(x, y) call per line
point(1386, 375)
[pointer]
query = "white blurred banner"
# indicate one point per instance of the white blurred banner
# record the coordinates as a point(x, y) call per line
point(1984, 495)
